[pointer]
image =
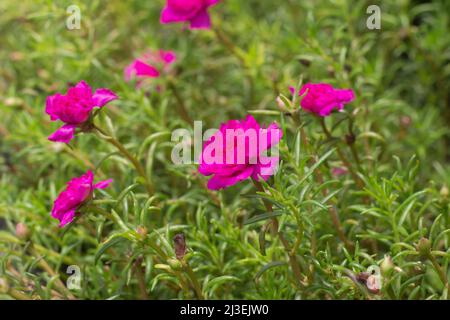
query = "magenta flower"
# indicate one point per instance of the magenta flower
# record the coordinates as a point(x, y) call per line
point(150, 65)
point(321, 98)
point(237, 151)
point(339, 171)
point(193, 11)
point(78, 191)
point(74, 108)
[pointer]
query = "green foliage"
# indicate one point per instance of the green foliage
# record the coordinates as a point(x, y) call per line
point(336, 226)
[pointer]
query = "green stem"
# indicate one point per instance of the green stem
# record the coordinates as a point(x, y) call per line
point(341, 155)
point(140, 278)
point(17, 295)
point(135, 162)
point(229, 45)
point(194, 280)
point(394, 227)
point(159, 251)
point(180, 102)
point(441, 273)
point(332, 211)
point(42, 263)
point(390, 292)
point(355, 156)
point(340, 231)
point(275, 228)
point(351, 144)
point(221, 36)
point(298, 123)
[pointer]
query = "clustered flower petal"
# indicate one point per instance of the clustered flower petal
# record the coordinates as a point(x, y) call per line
point(193, 11)
point(150, 64)
point(78, 191)
point(247, 157)
point(321, 98)
point(74, 108)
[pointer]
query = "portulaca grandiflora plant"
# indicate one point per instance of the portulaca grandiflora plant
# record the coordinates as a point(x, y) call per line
point(209, 149)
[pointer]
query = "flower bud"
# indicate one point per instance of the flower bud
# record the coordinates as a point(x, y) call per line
point(175, 264)
point(350, 139)
point(179, 245)
point(444, 191)
point(282, 104)
point(22, 231)
point(142, 231)
point(424, 247)
point(16, 56)
point(339, 171)
point(331, 71)
point(12, 102)
point(387, 265)
point(405, 121)
point(305, 61)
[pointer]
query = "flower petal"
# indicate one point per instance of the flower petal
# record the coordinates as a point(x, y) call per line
point(66, 218)
point(103, 184)
point(63, 134)
point(265, 168)
point(168, 15)
point(83, 86)
point(50, 106)
point(168, 56)
point(219, 182)
point(201, 20)
point(103, 96)
point(345, 95)
point(142, 69)
point(292, 90)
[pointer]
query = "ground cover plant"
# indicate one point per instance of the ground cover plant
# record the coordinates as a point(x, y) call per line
point(351, 203)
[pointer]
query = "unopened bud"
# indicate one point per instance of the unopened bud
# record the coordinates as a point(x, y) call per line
point(403, 33)
point(281, 104)
point(16, 56)
point(305, 61)
point(424, 247)
point(12, 102)
point(175, 264)
point(142, 231)
point(350, 139)
point(180, 245)
point(22, 231)
point(43, 73)
point(387, 265)
point(405, 121)
point(339, 171)
point(331, 71)
point(444, 191)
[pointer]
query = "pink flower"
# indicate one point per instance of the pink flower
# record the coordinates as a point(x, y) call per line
point(321, 98)
point(338, 171)
point(237, 151)
point(74, 108)
point(193, 11)
point(150, 65)
point(78, 191)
